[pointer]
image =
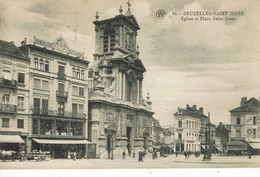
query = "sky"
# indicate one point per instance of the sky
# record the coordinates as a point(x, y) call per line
point(211, 64)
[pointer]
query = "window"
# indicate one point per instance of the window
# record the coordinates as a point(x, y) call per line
point(5, 122)
point(61, 71)
point(74, 109)
point(7, 74)
point(74, 90)
point(82, 74)
point(61, 89)
point(20, 102)
point(81, 108)
point(254, 120)
point(254, 133)
point(35, 126)
point(179, 136)
point(109, 71)
point(5, 99)
point(61, 107)
point(20, 123)
point(21, 78)
point(238, 121)
point(41, 65)
point(187, 124)
point(36, 106)
point(46, 65)
point(81, 91)
point(36, 63)
point(37, 83)
point(45, 85)
point(45, 106)
point(78, 74)
point(129, 89)
point(179, 123)
point(238, 133)
point(145, 123)
point(74, 73)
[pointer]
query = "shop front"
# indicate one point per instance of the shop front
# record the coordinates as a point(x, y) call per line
point(61, 148)
point(236, 148)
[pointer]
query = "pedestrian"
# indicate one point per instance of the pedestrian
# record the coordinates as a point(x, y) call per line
point(134, 154)
point(249, 154)
point(140, 156)
point(123, 154)
point(176, 153)
point(185, 154)
point(74, 155)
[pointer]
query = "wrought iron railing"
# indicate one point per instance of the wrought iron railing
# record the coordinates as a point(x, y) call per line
point(8, 108)
point(58, 113)
point(61, 94)
point(8, 83)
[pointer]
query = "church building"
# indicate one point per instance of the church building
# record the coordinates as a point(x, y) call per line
point(120, 119)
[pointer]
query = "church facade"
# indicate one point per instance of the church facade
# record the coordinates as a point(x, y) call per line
point(120, 119)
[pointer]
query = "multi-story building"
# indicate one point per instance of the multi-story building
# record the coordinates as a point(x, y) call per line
point(189, 125)
point(14, 96)
point(156, 130)
point(245, 125)
point(119, 118)
point(58, 104)
point(221, 137)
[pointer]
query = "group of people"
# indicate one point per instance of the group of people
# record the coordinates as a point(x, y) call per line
point(141, 155)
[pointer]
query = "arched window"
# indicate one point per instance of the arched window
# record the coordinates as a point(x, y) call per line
point(78, 74)
point(41, 64)
point(82, 74)
point(46, 65)
point(36, 63)
point(74, 73)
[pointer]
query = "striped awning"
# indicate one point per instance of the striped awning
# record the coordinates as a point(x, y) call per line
point(59, 141)
point(11, 139)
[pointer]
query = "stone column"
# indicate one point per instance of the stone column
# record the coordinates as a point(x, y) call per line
point(119, 85)
point(138, 97)
point(123, 86)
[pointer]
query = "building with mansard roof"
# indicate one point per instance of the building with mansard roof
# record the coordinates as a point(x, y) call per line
point(120, 119)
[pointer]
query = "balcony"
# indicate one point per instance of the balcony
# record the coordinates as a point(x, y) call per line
point(57, 113)
point(61, 95)
point(179, 141)
point(61, 76)
point(8, 83)
point(7, 108)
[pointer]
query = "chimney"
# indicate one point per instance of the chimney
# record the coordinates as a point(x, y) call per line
point(12, 42)
point(243, 101)
point(187, 106)
point(24, 42)
point(194, 106)
point(201, 110)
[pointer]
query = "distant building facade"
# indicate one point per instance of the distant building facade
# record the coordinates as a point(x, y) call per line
point(120, 119)
point(58, 100)
point(245, 124)
point(221, 137)
point(14, 96)
point(156, 130)
point(190, 125)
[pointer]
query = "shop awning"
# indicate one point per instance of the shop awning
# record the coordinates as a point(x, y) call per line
point(255, 145)
point(58, 141)
point(11, 139)
point(236, 146)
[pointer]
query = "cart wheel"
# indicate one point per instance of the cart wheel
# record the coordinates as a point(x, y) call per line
point(23, 158)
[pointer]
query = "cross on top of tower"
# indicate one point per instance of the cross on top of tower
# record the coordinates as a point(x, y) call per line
point(129, 4)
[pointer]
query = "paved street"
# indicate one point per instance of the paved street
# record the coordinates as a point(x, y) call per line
point(130, 163)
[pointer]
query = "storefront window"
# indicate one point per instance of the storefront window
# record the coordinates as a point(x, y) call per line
point(46, 127)
point(77, 128)
point(62, 127)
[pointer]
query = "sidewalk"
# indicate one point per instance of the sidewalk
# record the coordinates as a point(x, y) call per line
point(215, 159)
